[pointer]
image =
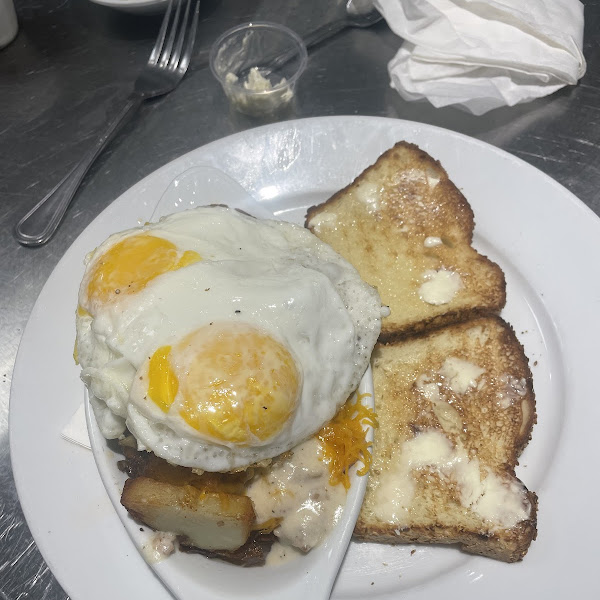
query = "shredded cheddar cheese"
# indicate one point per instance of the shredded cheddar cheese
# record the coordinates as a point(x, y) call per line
point(343, 442)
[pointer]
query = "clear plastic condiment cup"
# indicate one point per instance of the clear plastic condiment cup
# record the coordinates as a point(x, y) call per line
point(258, 64)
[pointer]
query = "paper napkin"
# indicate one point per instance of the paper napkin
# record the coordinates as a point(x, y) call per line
point(483, 54)
point(76, 429)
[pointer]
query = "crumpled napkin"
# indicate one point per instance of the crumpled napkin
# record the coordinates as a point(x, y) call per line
point(483, 54)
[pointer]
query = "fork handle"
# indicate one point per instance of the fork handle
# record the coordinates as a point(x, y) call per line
point(40, 223)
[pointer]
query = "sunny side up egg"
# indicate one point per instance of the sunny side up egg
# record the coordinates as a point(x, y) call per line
point(220, 340)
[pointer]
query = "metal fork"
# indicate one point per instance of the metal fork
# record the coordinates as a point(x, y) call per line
point(165, 69)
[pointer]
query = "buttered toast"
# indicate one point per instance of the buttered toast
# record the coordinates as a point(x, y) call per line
point(453, 390)
point(408, 230)
point(455, 408)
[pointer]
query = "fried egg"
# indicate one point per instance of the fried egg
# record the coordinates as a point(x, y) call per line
point(220, 340)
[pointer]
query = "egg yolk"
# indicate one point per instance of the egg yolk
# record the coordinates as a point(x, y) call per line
point(129, 265)
point(163, 383)
point(237, 385)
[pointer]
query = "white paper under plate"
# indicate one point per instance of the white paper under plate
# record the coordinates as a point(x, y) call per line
point(540, 234)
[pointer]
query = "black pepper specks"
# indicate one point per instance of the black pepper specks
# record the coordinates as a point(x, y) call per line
point(237, 312)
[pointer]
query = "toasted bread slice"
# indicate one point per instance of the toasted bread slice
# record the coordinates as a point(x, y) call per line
point(455, 409)
point(408, 230)
point(209, 520)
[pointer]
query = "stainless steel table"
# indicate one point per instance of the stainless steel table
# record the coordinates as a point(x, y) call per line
point(73, 60)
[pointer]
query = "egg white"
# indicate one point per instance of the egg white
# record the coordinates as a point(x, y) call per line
point(273, 275)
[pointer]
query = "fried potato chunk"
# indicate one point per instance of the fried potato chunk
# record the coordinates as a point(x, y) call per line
point(205, 519)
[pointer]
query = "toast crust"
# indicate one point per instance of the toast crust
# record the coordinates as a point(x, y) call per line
point(507, 546)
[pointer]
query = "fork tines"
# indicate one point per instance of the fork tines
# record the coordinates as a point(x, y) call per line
point(176, 35)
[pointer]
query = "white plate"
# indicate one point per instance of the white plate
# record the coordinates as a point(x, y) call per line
point(546, 241)
point(142, 7)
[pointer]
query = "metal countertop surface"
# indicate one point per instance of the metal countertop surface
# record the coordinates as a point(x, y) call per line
point(73, 61)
